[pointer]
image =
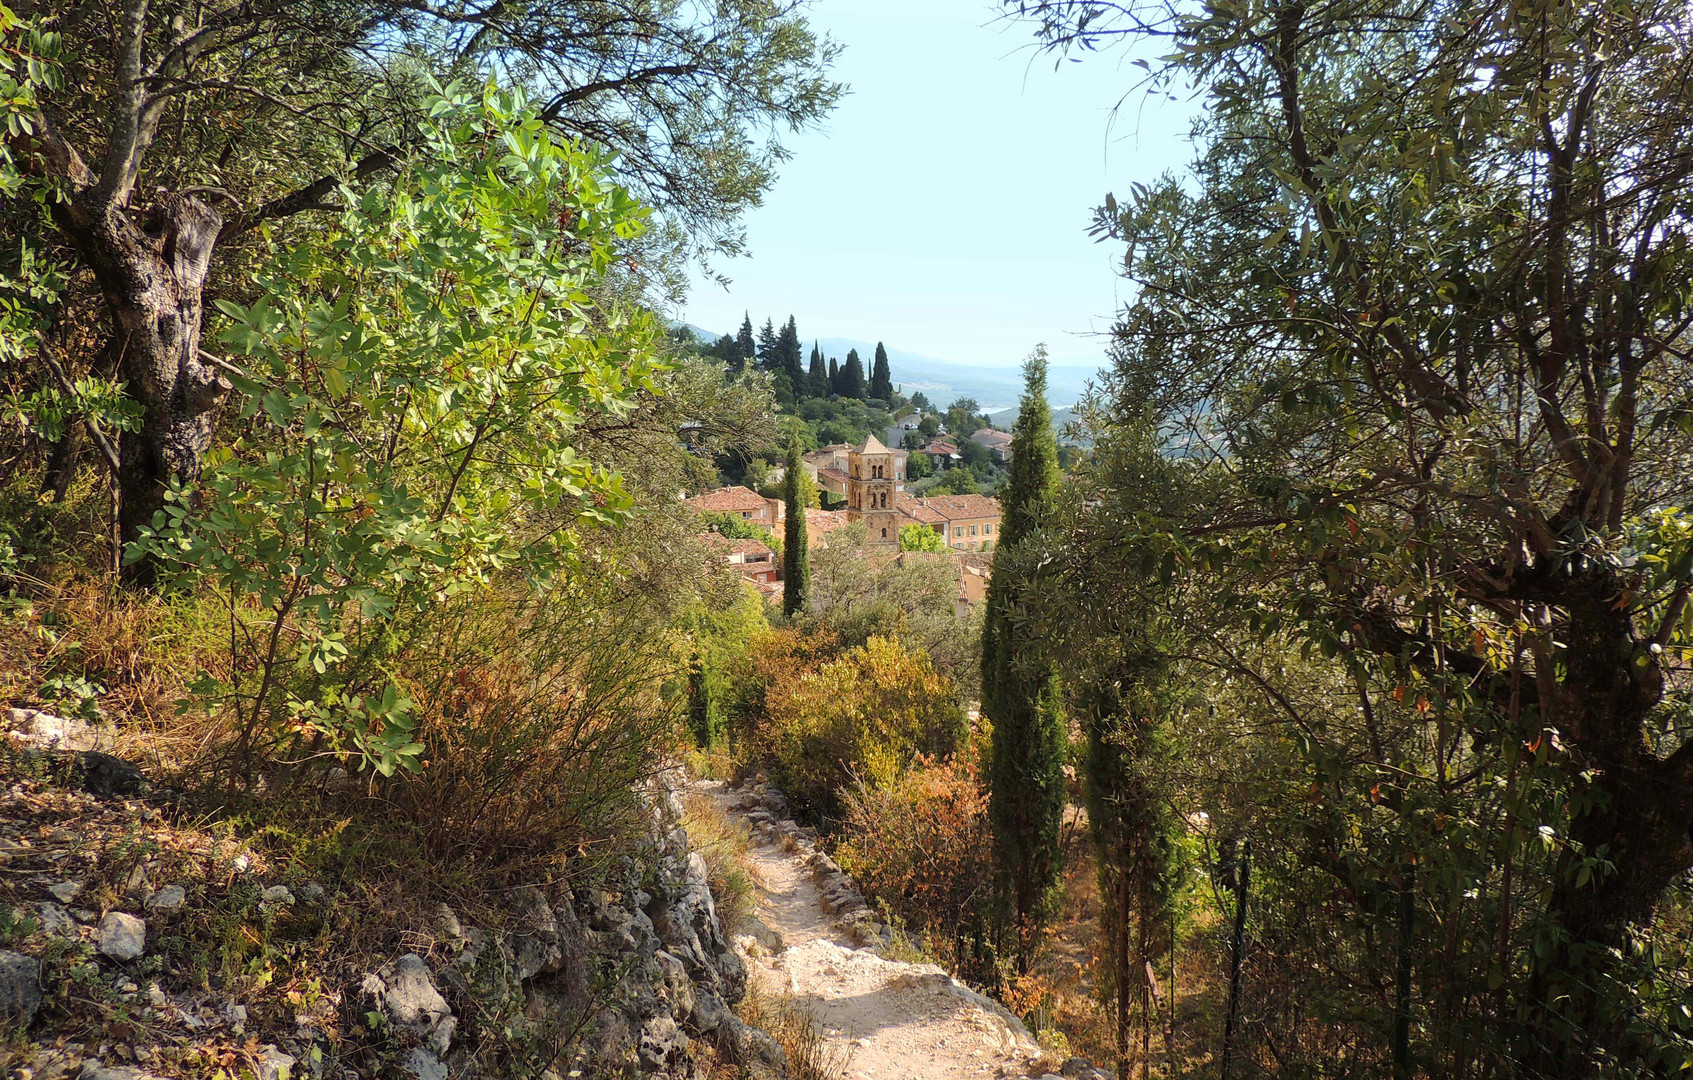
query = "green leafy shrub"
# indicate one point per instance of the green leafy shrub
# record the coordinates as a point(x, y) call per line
point(864, 717)
point(413, 377)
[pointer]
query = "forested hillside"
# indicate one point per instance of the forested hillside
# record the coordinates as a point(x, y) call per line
point(400, 678)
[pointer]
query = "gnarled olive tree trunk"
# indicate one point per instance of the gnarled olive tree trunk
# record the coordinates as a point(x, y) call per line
point(151, 268)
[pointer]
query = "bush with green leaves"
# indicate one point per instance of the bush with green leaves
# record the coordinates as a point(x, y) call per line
point(409, 383)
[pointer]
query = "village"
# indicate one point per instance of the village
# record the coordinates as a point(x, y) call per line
point(864, 485)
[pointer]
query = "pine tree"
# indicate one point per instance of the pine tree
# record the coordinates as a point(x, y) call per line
point(817, 380)
point(767, 340)
point(852, 376)
point(881, 380)
point(796, 563)
point(834, 376)
point(1020, 693)
point(744, 342)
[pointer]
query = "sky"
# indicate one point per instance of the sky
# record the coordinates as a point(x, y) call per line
point(943, 207)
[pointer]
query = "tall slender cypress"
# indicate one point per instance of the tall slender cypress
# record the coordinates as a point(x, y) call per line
point(1020, 691)
point(796, 565)
point(881, 380)
point(834, 376)
point(817, 379)
point(745, 343)
point(788, 356)
point(852, 376)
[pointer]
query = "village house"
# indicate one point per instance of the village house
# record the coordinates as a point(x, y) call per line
point(828, 466)
point(996, 443)
point(753, 558)
point(741, 502)
point(965, 522)
point(820, 523)
point(944, 451)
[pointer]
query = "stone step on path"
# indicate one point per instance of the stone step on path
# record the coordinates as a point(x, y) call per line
point(817, 941)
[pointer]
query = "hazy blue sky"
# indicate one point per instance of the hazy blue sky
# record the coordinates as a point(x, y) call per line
point(944, 207)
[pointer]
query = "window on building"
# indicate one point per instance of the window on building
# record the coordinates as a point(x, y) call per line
point(884, 534)
point(987, 530)
point(958, 530)
point(972, 530)
point(745, 515)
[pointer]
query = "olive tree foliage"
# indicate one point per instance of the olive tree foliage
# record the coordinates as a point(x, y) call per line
point(1422, 307)
point(182, 127)
point(411, 387)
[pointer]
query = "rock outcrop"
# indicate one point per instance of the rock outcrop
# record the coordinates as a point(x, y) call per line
point(629, 973)
point(627, 976)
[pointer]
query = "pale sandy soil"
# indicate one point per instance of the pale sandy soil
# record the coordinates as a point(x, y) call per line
point(889, 1020)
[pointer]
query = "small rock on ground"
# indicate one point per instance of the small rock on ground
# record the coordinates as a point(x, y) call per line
point(20, 988)
point(122, 937)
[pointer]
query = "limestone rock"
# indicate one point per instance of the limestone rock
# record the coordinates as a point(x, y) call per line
point(20, 988)
point(169, 898)
point(420, 1064)
point(274, 1064)
point(44, 731)
point(408, 998)
point(122, 937)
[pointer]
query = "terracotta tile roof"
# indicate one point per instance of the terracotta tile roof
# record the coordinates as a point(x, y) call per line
point(942, 447)
point(821, 522)
point(833, 473)
point(949, 508)
point(990, 437)
point(746, 546)
point(915, 509)
point(729, 500)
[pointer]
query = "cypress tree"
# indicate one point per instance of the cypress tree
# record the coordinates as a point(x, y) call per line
point(817, 380)
point(796, 564)
point(1020, 691)
point(767, 356)
point(852, 376)
point(834, 376)
point(881, 380)
point(702, 711)
point(744, 341)
point(788, 356)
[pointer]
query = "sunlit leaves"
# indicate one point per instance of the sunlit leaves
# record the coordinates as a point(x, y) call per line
point(413, 377)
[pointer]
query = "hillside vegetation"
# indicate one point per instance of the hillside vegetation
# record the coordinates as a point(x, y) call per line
point(1327, 713)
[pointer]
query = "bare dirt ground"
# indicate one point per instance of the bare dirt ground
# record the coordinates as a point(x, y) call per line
point(888, 1020)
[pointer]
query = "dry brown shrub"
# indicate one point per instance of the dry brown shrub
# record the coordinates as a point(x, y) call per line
point(922, 844)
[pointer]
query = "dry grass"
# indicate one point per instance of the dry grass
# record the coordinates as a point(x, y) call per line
point(138, 653)
point(810, 1055)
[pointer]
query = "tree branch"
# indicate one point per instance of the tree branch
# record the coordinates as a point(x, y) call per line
point(310, 197)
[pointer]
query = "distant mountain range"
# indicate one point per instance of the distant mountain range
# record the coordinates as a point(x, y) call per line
point(943, 381)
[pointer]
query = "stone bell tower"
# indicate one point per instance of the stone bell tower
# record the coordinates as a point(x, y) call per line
point(875, 482)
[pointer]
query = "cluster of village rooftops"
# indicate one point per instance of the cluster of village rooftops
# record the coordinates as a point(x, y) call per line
point(871, 478)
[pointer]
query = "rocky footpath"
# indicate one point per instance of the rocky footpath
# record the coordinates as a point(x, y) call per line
point(817, 942)
point(118, 928)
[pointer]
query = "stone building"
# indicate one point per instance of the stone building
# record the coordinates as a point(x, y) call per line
point(875, 486)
